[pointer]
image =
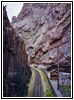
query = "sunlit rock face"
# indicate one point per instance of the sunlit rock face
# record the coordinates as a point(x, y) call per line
point(45, 28)
point(16, 72)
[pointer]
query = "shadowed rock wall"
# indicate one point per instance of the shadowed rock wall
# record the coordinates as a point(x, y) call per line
point(16, 72)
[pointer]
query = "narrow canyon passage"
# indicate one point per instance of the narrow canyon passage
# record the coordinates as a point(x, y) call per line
point(38, 89)
point(36, 46)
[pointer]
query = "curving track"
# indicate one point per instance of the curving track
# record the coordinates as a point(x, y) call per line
point(38, 89)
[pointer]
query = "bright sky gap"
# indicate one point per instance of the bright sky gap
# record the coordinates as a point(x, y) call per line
point(13, 9)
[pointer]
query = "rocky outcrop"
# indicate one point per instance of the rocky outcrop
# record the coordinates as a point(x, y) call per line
point(16, 72)
point(13, 18)
point(46, 28)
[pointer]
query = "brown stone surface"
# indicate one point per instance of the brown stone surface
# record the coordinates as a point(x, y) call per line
point(16, 72)
point(46, 26)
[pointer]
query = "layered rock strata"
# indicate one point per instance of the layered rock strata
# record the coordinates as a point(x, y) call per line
point(16, 72)
point(46, 29)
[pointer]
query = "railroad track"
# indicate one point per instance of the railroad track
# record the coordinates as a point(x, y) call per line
point(38, 89)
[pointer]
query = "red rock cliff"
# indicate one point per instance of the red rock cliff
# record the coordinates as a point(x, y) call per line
point(44, 27)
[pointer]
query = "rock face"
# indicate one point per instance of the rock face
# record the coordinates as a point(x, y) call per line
point(46, 29)
point(13, 18)
point(16, 72)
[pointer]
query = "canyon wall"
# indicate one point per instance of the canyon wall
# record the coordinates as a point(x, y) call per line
point(16, 72)
point(46, 30)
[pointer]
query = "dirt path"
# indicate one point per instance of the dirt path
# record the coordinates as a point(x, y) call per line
point(38, 89)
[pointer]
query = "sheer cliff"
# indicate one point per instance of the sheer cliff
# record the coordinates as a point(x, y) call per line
point(46, 29)
point(16, 72)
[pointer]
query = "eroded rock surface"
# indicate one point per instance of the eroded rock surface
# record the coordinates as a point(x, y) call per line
point(16, 72)
point(45, 28)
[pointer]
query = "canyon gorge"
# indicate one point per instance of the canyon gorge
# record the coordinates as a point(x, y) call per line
point(40, 36)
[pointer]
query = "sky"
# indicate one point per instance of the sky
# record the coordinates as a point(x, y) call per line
point(13, 9)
